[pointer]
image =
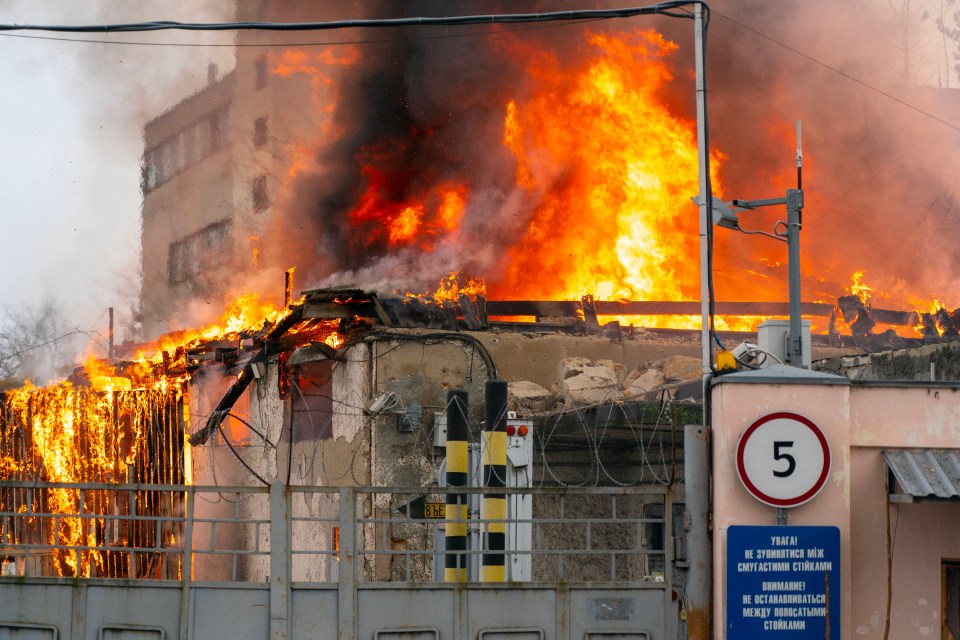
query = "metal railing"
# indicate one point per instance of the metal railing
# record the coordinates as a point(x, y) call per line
point(324, 534)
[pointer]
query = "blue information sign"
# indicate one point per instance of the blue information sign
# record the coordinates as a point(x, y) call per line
point(783, 582)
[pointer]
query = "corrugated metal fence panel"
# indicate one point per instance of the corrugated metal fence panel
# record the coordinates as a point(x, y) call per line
point(14, 631)
point(240, 612)
point(130, 612)
point(230, 614)
point(314, 612)
point(131, 632)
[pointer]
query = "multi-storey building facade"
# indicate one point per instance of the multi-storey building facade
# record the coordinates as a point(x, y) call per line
point(213, 166)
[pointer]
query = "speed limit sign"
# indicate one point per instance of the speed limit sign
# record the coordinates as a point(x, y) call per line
point(783, 459)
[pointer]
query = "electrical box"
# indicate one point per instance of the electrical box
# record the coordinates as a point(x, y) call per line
point(520, 506)
point(439, 429)
point(772, 336)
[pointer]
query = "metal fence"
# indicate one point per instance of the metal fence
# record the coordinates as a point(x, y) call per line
point(323, 562)
point(225, 533)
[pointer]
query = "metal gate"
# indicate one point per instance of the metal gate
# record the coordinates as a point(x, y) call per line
point(321, 562)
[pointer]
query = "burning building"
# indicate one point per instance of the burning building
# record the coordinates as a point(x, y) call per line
point(389, 162)
point(560, 189)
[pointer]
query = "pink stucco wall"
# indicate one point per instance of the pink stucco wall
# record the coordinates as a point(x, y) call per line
point(859, 422)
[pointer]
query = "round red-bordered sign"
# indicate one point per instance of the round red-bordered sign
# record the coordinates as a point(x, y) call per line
point(783, 459)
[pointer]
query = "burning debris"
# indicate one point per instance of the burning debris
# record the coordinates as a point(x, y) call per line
point(129, 422)
point(125, 422)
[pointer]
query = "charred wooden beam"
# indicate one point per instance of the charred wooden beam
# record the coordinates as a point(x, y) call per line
point(589, 310)
point(928, 329)
point(471, 316)
point(569, 308)
point(382, 314)
point(329, 310)
point(946, 325)
point(449, 308)
point(244, 379)
point(613, 332)
point(482, 311)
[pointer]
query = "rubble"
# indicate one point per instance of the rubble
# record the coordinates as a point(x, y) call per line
point(641, 382)
point(527, 397)
point(582, 382)
point(680, 368)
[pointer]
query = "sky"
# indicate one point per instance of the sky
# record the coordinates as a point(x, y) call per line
point(73, 114)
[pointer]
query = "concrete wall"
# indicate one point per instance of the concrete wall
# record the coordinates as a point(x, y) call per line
point(931, 362)
point(859, 421)
point(373, 450)
point(341, 460)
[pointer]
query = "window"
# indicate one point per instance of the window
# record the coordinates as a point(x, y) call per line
point(312, 412)
point(262, 72)
point(198, 252)
point(260, 132)
point(190, 145)
point(950, 598)
point(261, 200)
point(655, 532)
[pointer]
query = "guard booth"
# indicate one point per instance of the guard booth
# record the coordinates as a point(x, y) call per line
point(835, 502)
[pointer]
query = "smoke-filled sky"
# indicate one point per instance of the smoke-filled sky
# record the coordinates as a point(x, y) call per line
point(72, 143)
point(881, 173)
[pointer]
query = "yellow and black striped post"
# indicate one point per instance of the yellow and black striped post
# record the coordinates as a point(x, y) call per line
point(455, 561)
point(493, 508)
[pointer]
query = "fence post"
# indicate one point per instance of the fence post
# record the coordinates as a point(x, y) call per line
point(346, 586)
point(280, 533)
point(696, 464)
point(186, 565)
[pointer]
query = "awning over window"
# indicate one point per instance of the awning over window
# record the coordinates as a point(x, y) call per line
point(925, 474)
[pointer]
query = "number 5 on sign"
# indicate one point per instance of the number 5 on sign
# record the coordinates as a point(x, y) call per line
point(783, 459)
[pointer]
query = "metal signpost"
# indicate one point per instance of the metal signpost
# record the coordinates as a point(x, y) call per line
point(783, 582)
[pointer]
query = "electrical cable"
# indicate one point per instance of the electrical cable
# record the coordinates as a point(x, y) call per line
point(843, 74)
point(663, 8)
point(237, 456)
point(433, 338)
point(270, 45)
point(251, 427)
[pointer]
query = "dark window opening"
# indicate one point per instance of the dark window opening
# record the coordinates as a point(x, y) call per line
point(260, 132)
point(655, 533)
point(261, 200)
point(950, 588)
point(312, 402)
point(194, 254)
point(187, 147)
point(262, 72)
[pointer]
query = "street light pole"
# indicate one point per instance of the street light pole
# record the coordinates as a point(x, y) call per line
point(794, 202)
point(706, 197)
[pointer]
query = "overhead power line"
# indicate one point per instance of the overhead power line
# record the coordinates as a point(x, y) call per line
point(672, 9)
point(322, 43)
point(842, 74)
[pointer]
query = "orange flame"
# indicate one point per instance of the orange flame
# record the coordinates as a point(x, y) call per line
point(613, 177)
point(859, 288)
point(96, 433)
